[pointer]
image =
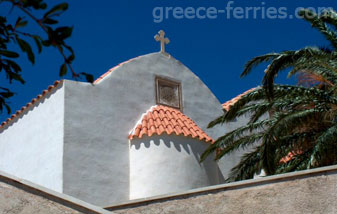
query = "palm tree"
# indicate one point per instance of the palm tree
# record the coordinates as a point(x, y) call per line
point(300, 131)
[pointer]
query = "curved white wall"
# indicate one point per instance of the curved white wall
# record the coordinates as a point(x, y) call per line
point(98, 119)
point(168, 163)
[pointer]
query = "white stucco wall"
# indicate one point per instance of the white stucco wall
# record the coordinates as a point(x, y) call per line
point(168, 163)
point(32, 147)
point(98, 119)
point(76, 139)
point(227, 162)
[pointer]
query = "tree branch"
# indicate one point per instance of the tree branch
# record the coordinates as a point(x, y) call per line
point(39, 22)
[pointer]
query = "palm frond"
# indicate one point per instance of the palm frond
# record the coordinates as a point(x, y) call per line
point(231, 137)
point(318, 23)
point(257, 61)
point(330, 17)
point(241, 143)
point(248, 166)
point(325, 148)
point(293, 127)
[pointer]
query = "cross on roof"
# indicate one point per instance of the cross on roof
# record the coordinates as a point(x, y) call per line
point(163, 41)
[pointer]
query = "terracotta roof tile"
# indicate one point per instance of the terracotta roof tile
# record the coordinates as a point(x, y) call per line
point(227, 105)
point(162, 119)
point(34, 100)
point(290, 156)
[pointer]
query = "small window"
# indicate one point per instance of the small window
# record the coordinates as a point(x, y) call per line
point(168, 92)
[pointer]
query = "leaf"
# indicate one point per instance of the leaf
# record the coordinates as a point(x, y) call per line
point(6, 94)
point(59, 7)
point(36, 4)
point(63, 70)
point(46, 43)
point(43, 6)
point(3, 19)
point(2, 103)
point(70, 58)
point(69, 49)
point(38, 43)
point(64, 32)
point(16, 77)
point(50, 21)
point(88, 77)
point(5, 89)
point(7, 108)
point(20, 23)
point(31, 56)
point(14, 65)
point(9, 54)
point(25, 47)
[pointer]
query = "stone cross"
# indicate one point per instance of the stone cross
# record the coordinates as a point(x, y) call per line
point(163, 41)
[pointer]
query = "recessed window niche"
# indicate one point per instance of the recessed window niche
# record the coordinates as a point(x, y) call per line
point(168, 93)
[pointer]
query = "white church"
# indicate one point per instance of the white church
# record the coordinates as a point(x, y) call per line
point(137, 132)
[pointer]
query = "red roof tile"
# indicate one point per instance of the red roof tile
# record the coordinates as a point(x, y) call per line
point(290, 156)
point(227, 105)
point(162, 119)
point(34, 100)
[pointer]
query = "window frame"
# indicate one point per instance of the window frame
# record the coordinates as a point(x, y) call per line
point(170, 82)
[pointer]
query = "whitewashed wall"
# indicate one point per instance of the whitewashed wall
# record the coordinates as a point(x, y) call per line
point(94, 122)
point(227, 162)
point(98, 119)
point(32, 147)
point(169, 163)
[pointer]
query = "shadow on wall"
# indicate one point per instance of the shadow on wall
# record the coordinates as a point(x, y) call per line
point(173, 147)
point(178, 145)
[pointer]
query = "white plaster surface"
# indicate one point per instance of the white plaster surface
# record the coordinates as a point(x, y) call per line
point(76, 140)
point(168, 163)
point(32, 147)
point(98, 119)
point(227, 162)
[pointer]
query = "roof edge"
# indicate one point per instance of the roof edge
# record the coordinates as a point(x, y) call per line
point(227, 105)
point(165, 127)
point(99, 79)
point(103, 76)
point(180, 135)
point(31, 103)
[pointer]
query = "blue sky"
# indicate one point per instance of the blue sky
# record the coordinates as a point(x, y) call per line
point(215, 49)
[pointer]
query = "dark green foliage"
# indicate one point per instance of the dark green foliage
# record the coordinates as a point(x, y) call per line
point(63, 70)
point(5, 93)
point(300, 120)
point(54, 36)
